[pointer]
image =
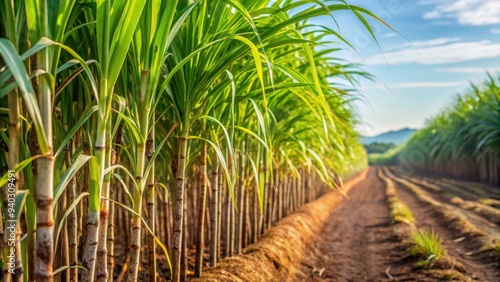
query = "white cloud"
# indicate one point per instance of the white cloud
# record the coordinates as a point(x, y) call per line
point(466, 12)
point(469, 70)
point(429, 43)
point(495, 30)
point(423, 43)
point(389, 35)
point(432, 15)
point(429, 54)
point(424, 85)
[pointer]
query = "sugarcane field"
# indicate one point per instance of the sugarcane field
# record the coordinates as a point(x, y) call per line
point(249, 141)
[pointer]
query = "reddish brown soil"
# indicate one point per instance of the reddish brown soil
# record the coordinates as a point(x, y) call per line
point(356, 240)
point(358, 243)
point(458, 247)
point(486, 218)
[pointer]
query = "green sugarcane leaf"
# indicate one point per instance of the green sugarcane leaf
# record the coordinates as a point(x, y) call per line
point(158, 150)
point(122, 105)
point(132, 125)
point(7, 89)
point(249, 132)
point(125, 188)
point(120, 41)
point(86, 115)
point(124, 169)
point(69, 174)
point(21, 196)
point(76, 28)
point(222, 160)
point(70, 78)
point(20, 166)
point(157, 240)
point(66, 214)
point(226, 134)
point(45, 42)
point(257, 60)
point(260, 184)
point(178, 24)
point(260, 118)
point(20, 75)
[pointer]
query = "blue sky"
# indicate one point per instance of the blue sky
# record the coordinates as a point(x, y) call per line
point(441, 47)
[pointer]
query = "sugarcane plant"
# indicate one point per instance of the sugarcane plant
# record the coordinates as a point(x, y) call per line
point(462, 141)
point(146, 129)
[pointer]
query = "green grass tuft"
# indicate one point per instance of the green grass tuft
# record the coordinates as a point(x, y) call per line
point(400, 212)
point(427, 245)
point(496, 249)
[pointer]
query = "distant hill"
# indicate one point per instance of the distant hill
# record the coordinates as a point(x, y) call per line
point(397, 137)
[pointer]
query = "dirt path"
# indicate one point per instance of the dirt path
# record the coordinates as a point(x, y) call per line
point(357, 243)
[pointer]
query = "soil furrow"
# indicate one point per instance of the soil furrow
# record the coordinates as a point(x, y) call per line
point(474, 189)
point(470, 191)
point(482, 216)
point(481, 268)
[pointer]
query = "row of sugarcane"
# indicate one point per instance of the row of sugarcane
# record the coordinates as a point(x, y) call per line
point(462, 141)
point(161, 124)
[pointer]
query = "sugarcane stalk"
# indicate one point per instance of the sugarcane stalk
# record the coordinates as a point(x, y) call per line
point(44, 263)
point(72, 224)
point(179, 206)
point(135, 242)
point(214, 228)
point(14, 126)
point(102, 274)
point(150, 149)
point(111, 218)
point(240, 197)
point(200, 244)
point(93, 214)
